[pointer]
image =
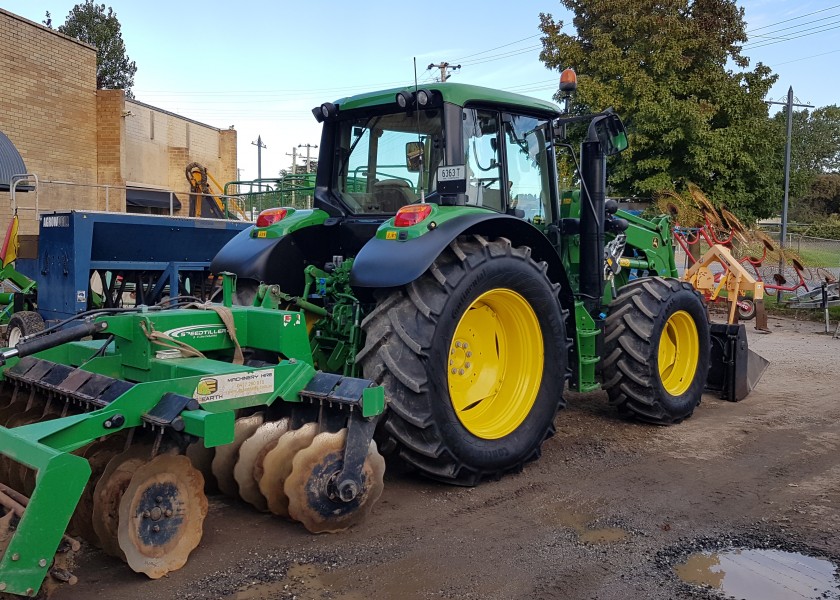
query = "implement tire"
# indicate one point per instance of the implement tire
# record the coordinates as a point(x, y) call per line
point(22, 324)
point(657, 350)
point(473, 358)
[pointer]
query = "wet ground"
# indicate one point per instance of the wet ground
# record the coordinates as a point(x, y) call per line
point(612, 510)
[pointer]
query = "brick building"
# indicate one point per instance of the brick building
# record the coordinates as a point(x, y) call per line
point(68, 132)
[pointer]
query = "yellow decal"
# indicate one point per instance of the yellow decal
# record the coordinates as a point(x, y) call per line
point(234, 385)
point(206, 387)
point(624, 262)
point(261, 234)
point(390, 235)
point(655, 243)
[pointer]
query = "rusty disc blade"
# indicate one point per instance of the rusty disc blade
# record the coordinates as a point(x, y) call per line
point(108, 492)
point(308, 486)
point(98, 456)
point(202, 459)
point(252, 448)
point(162, 515)
point(226, 456)
point(277, 465)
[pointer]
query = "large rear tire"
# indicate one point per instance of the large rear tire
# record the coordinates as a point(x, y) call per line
point(473, 357)
point(657, 350)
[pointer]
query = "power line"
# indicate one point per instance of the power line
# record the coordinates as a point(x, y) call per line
point(788, 39)
point(793, 18)
point(787, 62)
point(497, 47)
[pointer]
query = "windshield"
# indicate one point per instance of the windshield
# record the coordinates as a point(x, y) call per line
point(385, 160)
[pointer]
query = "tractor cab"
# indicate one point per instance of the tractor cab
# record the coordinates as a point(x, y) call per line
point(452, 145)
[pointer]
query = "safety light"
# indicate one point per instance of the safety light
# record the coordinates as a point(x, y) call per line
point(404, 99)
point(424, 97)
point(329, 111)
point(568, 80)
point(270, 216)
point(412, 214)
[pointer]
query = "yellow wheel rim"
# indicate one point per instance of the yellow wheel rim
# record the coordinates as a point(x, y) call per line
point(679, 351)
point(495, 364)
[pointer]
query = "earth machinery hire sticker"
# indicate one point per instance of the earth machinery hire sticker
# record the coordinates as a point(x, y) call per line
point(234, 385)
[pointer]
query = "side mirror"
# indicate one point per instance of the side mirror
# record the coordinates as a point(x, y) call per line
point(611, 134)
point(413, 156)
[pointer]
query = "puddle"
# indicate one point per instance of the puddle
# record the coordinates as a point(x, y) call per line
point(588, 535)
point(762, 574)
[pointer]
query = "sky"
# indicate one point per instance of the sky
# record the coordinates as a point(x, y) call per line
point(261, 66)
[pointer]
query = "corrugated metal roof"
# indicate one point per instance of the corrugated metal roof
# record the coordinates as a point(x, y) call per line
point(11, 163)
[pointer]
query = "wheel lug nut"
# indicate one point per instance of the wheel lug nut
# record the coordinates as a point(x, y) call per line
point(451, 362)
point(146, 514)
point(460, 371)
point(465, 345)
point(469, 354)
point(457, 344)
point(156, 528)
point(467, 365)
point(159, 499)
point(168, 512)
point(454, 370)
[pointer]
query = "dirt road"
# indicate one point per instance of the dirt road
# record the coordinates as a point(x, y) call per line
point(605, 513)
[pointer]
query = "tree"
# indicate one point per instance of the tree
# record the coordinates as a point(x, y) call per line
point(814, 146)
point(90, 23)
point(663, 66)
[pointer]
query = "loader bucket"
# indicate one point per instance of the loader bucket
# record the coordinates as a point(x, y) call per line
point(734, 369)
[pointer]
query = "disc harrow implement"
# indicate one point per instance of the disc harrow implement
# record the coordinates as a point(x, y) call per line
point(109, 425)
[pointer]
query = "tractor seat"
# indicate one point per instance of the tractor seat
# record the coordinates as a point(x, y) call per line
point(389, 195)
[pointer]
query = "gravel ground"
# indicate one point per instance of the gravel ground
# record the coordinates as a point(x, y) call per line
point(606, 512)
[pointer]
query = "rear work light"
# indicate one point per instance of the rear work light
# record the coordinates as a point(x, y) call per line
point(271, 216)
point(412, 214)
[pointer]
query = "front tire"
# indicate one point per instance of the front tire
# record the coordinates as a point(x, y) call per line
point(657, 350)
point(473, 357)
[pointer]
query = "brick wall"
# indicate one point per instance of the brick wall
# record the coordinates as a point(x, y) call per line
point(48, 110)
point(66, 130)
point(110, 147)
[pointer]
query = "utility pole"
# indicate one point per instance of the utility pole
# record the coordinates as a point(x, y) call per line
point(259, 144)
point(443, 68)
point(308, 147)
point(293, 154)
point(789, 104)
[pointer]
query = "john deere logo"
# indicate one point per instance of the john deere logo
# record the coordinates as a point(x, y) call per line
point(207, 386)
point(197, 331)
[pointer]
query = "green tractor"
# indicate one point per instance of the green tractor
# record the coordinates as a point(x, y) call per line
point(472, 287)
point(432, 305)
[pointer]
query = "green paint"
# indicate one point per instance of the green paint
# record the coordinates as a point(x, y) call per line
point(294, 220)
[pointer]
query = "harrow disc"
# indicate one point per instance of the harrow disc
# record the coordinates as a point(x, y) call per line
point(308, 486)
point(277, 465)
point(109, 491)
point(162, 515)
point(98, 456)
point(226, 456)
point(254, 449)
point(202, 459)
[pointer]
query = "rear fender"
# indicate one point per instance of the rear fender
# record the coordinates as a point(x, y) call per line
point(384, 263)
point(277, 253)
